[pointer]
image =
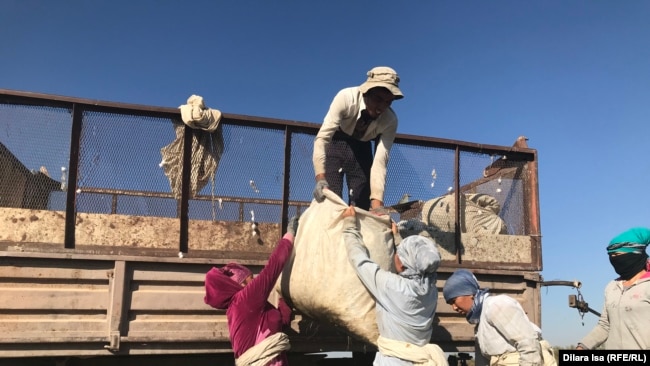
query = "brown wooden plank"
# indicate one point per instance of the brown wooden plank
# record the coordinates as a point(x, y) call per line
point(53, 299)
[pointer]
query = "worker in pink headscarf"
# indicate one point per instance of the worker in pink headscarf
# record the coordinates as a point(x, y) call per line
point(254, 324)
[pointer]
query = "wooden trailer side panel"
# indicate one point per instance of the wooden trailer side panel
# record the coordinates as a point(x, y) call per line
point(72, 305)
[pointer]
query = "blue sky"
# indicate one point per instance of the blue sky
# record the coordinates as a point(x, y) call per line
point(572, 76)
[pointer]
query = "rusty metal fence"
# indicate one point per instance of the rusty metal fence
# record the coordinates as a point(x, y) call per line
point(90, 174)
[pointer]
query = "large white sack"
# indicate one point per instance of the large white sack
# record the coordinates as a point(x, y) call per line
point(319, 280)
point(479, 214)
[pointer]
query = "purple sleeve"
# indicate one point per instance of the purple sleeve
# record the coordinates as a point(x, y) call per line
point(285, 312)
point(257, 292)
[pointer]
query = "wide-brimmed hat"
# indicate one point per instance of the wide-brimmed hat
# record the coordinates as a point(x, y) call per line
point(385, 77)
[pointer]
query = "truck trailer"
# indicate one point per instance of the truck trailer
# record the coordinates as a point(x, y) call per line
point(106, 232)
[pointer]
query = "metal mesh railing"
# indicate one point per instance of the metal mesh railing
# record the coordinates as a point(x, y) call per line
point(34, 150)
point(80, 159)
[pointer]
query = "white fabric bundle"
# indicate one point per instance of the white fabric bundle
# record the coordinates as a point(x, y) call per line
point(479, 214)
point(196, 115)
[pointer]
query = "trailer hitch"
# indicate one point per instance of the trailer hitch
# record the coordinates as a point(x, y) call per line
point(575, 301)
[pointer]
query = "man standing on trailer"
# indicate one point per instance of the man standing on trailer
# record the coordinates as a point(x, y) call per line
point(343, 145)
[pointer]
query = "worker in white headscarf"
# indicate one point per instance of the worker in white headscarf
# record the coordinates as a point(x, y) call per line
point(406, 300)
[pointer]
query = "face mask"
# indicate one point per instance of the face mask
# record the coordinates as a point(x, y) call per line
point(629, 264)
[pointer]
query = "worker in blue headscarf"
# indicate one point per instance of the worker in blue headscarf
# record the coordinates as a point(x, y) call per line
point(625, 320)
point(406, 300)
point(504, 334)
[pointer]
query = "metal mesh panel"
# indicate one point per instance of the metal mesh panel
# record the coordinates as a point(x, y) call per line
point(124, 199)
point(125, 204)
point(34, 155)
point(96, 203)
point(493, 175)
point(143, 206)
point(472, 166)
point(120, 156)
point(215, 209)
point(420, 172)
point(250, 169)
point(302, 168)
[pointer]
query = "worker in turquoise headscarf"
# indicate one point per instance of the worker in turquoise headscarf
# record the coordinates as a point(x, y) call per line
point(625, 320)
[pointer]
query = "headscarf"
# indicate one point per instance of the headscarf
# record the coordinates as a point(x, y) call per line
point(463, 283)
point(221, 284)
point(634, 240)
point(419, 256)
point(236, 272)
point(631, 256)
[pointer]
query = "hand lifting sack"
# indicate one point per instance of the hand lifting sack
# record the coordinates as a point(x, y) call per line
point(319, 279)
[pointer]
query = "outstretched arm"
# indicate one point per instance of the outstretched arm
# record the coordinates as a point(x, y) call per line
point(259, 289)
point(369, 272)
point(339, 110)
point(599, 333)
point(380, 164)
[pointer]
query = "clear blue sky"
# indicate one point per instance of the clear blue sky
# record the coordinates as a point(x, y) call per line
point(572, 76)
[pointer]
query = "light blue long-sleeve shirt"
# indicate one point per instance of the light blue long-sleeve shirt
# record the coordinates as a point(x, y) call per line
point(405, 307)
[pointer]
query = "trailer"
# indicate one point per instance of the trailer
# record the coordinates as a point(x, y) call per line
point(103, 252)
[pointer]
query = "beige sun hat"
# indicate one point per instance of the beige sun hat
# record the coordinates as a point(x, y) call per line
point(382, 76)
